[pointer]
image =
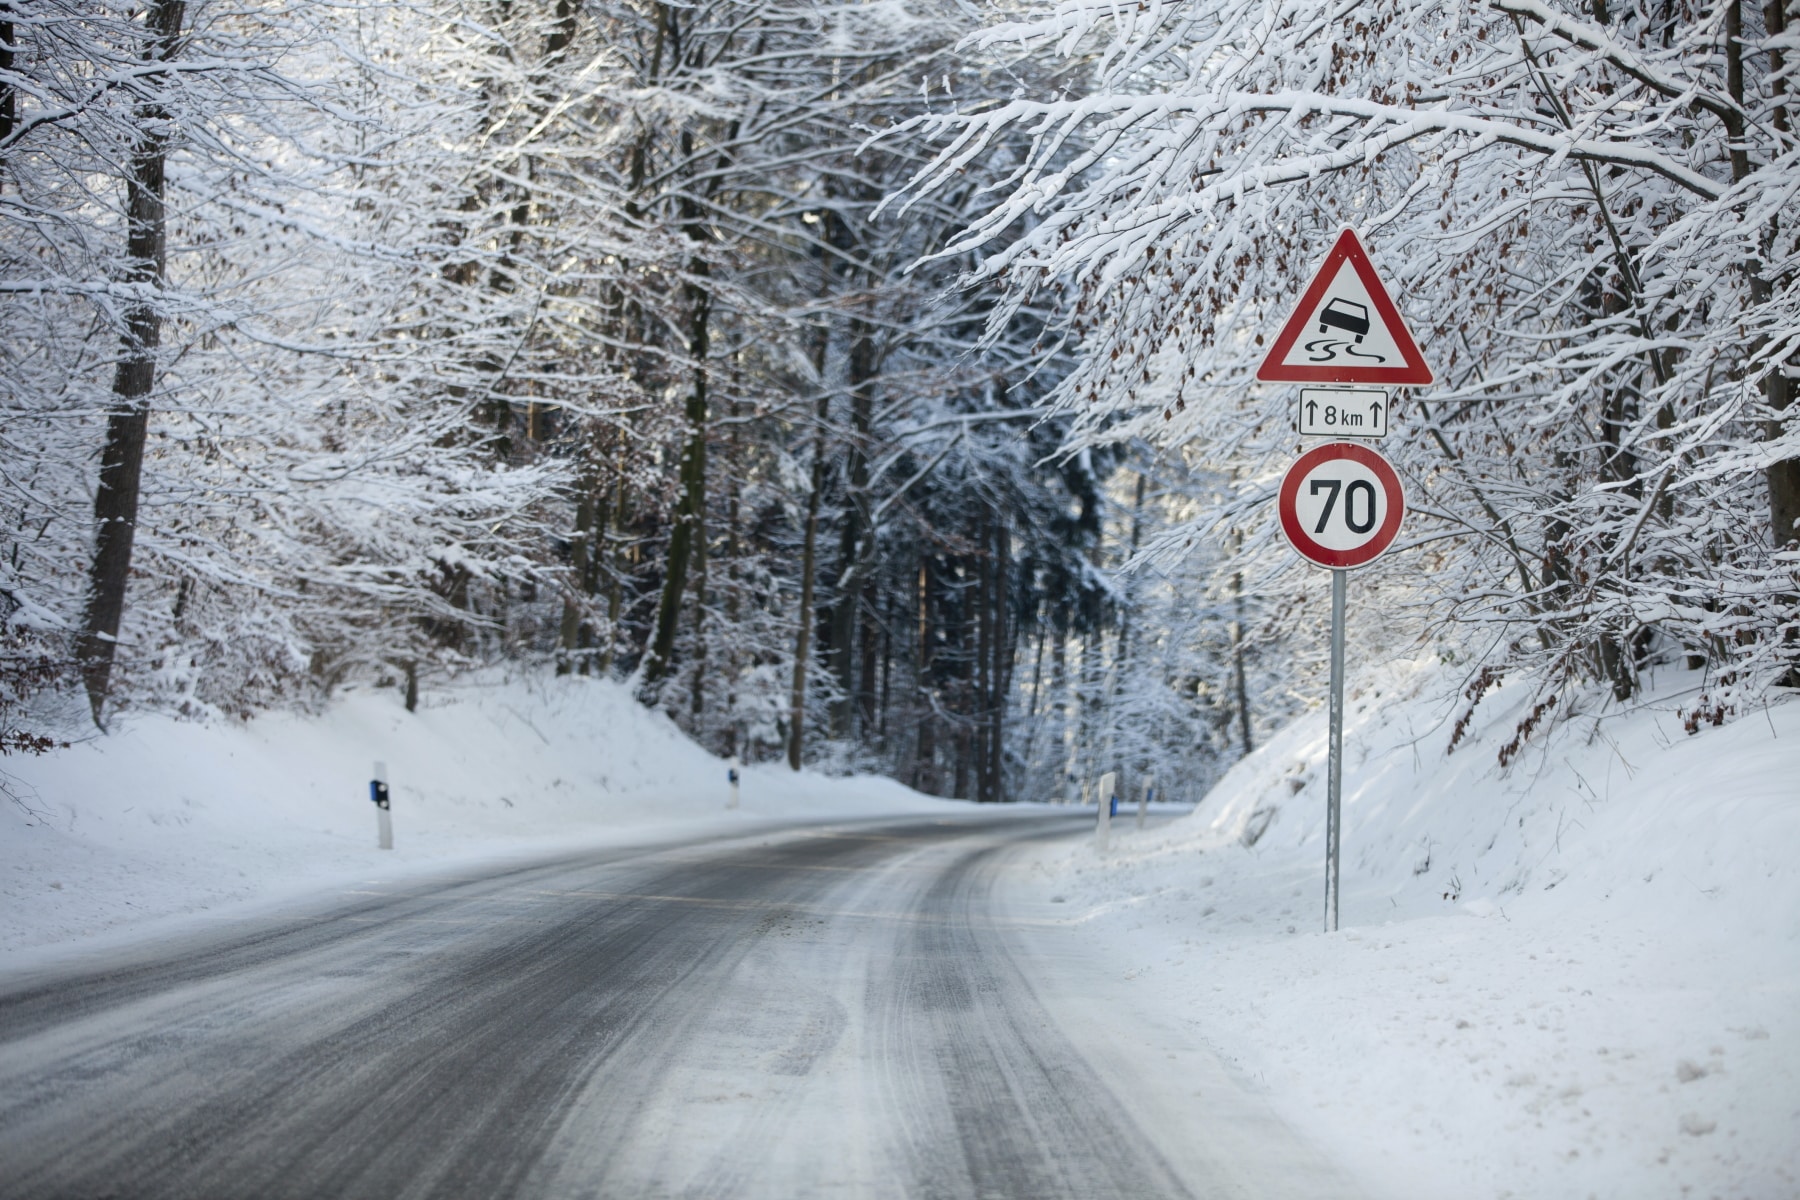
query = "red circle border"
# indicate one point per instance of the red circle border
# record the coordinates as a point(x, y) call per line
point(1288, 504)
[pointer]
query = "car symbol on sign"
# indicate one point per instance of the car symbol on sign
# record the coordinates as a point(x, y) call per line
point(1347, 315)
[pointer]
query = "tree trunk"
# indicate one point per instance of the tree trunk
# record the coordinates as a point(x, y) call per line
point(681, 538)
point(924, 777)
point(1092, 701)
point(1001, 671)
point(1778, 389)
point(122, 458)
point(845, 605)
point(809, 559)
point(1125, 630)
point(1618, 465)
point(733, 584)
point(803, 637)
point(611, 550)
point(1237, 659)
point(887, 667)
point(697, 703)
point(582, 554)
point(9, 103)
point(984, 662)
point(690, 512)
point(868, 657)
point(1784, 476)
point(1060, 687)
point(1033, 715)
point(961, 790)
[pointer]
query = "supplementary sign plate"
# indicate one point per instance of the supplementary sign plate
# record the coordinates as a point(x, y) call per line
point(1341, 505)
point(1344, 412)
point(1345, 328)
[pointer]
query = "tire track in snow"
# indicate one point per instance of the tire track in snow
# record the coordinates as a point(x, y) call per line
point(975, 1063)
point(834, 1013)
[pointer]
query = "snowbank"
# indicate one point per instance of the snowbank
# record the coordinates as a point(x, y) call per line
point(166, 818)
point(1576, 976)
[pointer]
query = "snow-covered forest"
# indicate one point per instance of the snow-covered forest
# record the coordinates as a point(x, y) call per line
point(872, 384)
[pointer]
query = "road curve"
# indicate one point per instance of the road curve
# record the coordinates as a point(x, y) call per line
point(834, 1012)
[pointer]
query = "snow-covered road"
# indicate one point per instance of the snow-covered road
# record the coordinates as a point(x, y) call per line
point(855, 1010)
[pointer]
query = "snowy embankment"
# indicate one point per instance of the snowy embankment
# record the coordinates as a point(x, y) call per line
point(166, 819)
point(1578, 976)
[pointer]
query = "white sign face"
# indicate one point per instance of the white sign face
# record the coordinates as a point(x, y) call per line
point(1341, 505)
point(1344, 412)
point(1344, 328)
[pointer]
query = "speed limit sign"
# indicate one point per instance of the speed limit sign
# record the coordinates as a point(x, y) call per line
point(1341, 505)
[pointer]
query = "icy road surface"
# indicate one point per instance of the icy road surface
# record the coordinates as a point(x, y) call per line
point(847, 1011)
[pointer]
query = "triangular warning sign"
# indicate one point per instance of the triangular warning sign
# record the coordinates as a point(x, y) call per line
point(1345, 328)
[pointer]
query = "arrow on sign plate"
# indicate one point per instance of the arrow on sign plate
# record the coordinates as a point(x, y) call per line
point(1344, 412)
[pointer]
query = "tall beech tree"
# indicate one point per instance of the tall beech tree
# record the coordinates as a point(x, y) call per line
point(146, 260)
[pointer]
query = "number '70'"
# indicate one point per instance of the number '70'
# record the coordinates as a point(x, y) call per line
point(1336, 485)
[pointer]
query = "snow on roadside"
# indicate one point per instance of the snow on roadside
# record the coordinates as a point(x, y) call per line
point(166, 818)
point(1576, 977)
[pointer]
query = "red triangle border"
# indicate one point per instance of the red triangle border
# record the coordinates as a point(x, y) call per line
point(1413, 372)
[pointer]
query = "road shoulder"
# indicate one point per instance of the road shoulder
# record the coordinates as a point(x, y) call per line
point(1213, 1121)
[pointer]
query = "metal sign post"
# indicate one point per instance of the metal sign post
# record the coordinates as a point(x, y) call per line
point(1334, 778)
point(1341, 505)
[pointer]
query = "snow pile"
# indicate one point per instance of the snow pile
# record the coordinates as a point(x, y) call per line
point(168, 817)
point(1575, 976)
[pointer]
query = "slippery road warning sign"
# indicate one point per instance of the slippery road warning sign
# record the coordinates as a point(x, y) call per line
point(1341, 505)
point(1345, 328)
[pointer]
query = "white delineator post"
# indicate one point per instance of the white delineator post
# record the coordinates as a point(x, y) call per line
point(1144, 798)
point(1103, 826)
point(384, 819)
point(731, 774)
